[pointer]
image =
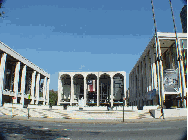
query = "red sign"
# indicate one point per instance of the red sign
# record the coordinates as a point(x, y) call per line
point(13, 97)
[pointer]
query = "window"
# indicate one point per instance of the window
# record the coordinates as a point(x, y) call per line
point(183, 45)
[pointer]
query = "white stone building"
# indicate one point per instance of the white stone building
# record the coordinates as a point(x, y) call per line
point(95, 88)
point(146, 86)
point(21, 79)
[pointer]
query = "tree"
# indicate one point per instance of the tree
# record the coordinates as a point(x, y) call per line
point(184, 2)
point(1, 5)
point(53, 96)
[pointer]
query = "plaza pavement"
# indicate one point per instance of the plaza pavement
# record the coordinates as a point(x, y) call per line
point(64, 114)
point(79, 116)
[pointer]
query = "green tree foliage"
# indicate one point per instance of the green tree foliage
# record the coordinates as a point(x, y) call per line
point(40, 94)
point(1, 5)
point(53, 97)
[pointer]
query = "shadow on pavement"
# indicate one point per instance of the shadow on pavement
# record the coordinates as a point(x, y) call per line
point(12, 130)
point(184, 136)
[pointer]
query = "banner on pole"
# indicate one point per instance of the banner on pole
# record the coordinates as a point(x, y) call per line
point(29, 96)
point(91, 85)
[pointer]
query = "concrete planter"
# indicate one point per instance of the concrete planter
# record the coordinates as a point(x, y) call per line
point(95, 108)
point(39, 106)
point(150, 107)
point(58, 107)
point(125, 108)
point(182, 112)
point(14, 105)
point(72, 107)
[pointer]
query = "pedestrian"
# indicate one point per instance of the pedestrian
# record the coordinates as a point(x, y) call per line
point(161, 112)
point(162, 109)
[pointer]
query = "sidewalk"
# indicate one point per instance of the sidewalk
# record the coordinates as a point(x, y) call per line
point(63, 114)
point(103, 121)
point(51, 115)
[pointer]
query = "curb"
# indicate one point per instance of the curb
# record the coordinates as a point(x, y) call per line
point(77, 120)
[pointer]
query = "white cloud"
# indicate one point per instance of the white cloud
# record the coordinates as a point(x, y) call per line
point(82, 66)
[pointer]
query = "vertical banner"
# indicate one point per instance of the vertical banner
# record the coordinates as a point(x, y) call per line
point(91, 85)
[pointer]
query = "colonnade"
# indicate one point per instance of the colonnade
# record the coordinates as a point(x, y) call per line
point(144, 79)
point(85, 78)
point(20, 84)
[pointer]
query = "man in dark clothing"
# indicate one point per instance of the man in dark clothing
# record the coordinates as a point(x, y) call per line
point(161, 112)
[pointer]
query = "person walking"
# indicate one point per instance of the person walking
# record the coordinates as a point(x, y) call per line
point(161, 112)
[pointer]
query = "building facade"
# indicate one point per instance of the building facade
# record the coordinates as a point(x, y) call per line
point(147, 86)
point(21, 81)
point(94, 88)
point(183, 17)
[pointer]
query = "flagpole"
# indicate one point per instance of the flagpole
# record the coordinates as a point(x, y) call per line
point(159, 63)
point(179, 58)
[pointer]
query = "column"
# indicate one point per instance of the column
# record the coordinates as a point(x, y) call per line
point(144, 80)
point(112, 93)
point(72, 91)
point(98, 91)
point(134, 83)
point(137, 78)
point(147, 71)
point(23, 84)
point(47, 91)
point(134, 92)
point(150, 70)
point(2, 72)
point(154, 74)
point(183, 84)
point(154, 70)
point(130, 88)
point(85, 88)
point(16, 80)
point(139, 82)
point(135, 86)
point(140, 87)
point(161, 74)
point(33, 86)
point(44, 91)
point(152, 82)
point(125, 89)
point(182, 81)
point(131, 94)
point(158, 76)
point(37, 88)
point(5, 80)
point(59, 90)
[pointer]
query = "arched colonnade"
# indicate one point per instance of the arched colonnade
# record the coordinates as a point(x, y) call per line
point(95, 88)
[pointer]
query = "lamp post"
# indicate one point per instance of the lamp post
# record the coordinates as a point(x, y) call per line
point(123, 107)
point(179, 59)
point(159, 64)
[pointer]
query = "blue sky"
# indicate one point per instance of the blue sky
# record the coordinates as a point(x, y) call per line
point(84, 35)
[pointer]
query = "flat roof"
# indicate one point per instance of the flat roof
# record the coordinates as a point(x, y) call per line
point(167, 35)
point(22, 59)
